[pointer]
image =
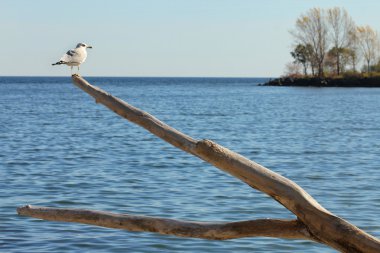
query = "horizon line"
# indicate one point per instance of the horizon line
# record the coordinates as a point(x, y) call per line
point(241, 77)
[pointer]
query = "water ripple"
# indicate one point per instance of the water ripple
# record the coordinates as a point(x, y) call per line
point(60, 149)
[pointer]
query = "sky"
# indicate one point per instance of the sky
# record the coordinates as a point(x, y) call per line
point(159, 38)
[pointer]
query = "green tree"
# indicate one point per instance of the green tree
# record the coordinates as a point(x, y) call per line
point(339, 58)
point(376, 67)
point(303, 54)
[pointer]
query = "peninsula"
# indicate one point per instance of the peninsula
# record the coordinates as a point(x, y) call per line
point(330, 50)
point(357, 81)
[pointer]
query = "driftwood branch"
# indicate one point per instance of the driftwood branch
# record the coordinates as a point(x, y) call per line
point(321, 225)
point(291, 229)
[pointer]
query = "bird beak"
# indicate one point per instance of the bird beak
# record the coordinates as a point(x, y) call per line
point(89, 46)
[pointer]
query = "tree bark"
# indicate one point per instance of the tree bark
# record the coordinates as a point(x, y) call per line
point(289, 229)
point(313, 221)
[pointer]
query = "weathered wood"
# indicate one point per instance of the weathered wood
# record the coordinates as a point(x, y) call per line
point(324, 226)
point(289, 229)
point(137, 116)
point(321, 225)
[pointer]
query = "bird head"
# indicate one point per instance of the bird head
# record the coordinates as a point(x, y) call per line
point(83, 45)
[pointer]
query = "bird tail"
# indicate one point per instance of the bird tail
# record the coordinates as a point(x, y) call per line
point(59, 63)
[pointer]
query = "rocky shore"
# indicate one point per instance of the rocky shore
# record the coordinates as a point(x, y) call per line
point(325, 82)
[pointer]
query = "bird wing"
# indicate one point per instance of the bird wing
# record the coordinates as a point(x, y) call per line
point(72, 56)
point(71, 52)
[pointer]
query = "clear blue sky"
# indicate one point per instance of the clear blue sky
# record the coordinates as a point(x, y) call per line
point(226, 38)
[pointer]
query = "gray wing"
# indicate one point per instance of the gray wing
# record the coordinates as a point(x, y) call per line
point(71, 52)
point(72, 56)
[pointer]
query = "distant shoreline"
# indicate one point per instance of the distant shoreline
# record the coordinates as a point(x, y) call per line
point(365, 82)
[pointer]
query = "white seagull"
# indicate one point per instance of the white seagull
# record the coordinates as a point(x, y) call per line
point(74, 57)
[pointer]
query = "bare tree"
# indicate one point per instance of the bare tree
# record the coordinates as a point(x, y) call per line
point(311, 28)
point(293, 69)
point(341, 28)
point(354, 52)
point(369, 44)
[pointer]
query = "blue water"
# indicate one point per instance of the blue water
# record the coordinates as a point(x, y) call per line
point(60, 149)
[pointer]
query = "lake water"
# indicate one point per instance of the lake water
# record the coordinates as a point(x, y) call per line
point(60, 149)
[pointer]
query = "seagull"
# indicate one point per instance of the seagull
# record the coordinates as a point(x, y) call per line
point(74, 57)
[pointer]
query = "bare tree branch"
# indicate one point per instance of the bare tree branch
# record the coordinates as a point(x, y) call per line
point(290, 229)
point(320, 224)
